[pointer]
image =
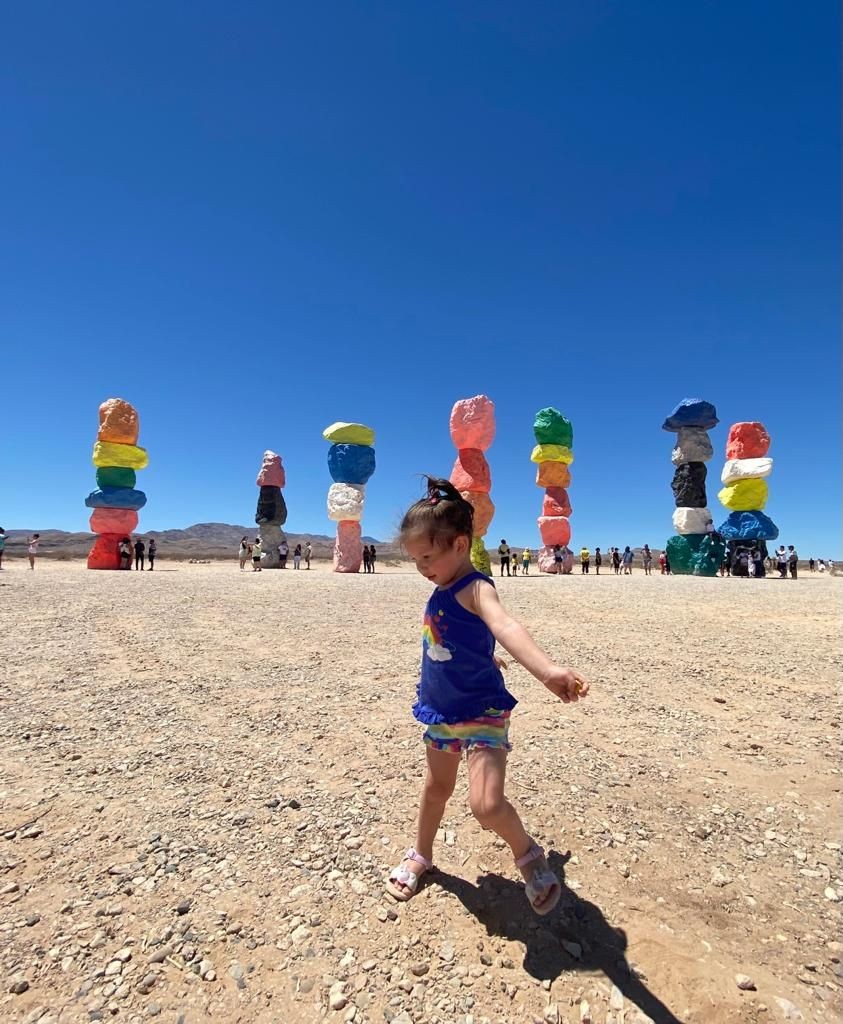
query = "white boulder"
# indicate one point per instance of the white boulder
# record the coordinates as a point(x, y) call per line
point(345, 502)
point(691, 520)
point(746, 469)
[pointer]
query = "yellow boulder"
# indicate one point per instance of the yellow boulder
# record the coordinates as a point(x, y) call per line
point(744, 496)
point(349, 433)
point(127, 456)
point(552, 453)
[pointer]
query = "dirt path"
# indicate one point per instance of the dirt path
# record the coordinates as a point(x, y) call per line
point(205, 775)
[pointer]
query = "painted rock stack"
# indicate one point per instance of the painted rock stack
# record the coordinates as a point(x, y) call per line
point(554, 455)
point(745, 491)
point(271, 513)
point(351, 462)
point(472, 427)
point(693, 551)
point(115, 502)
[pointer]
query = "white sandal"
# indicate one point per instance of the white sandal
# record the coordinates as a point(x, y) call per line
point(542, 883)
point(407, 878)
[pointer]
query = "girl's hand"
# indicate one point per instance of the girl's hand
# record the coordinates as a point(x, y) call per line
point(566, 684)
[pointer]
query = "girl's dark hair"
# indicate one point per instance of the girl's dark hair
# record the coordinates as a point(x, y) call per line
point(442, 514)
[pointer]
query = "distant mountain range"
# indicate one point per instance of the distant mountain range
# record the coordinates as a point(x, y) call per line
point(203, 540)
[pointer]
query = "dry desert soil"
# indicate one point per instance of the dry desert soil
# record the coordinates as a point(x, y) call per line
point(205, 776)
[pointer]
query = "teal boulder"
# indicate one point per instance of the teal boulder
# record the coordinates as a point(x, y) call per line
point(706, 561)
point(681, 551)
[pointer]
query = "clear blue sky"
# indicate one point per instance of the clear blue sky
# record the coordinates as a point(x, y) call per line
point(254, 219)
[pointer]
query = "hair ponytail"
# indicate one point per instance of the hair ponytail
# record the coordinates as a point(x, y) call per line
point(443, 514)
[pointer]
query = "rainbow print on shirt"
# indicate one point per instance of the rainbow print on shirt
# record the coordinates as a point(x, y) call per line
point(432, 641)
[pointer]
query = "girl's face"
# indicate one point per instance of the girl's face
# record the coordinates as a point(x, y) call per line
point(441, 564)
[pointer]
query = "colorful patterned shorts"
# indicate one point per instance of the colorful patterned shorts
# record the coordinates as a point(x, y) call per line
point(490, 730)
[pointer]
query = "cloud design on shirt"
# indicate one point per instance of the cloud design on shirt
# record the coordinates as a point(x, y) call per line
point(436, 652)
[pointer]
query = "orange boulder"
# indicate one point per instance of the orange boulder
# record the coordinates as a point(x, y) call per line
point(484, 510)
point(553, 474)
point(105, 553)
point(118, 422)
point(747, 441)
point(114, 520)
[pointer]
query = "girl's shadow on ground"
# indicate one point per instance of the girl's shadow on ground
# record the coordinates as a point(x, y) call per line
point(500, 905)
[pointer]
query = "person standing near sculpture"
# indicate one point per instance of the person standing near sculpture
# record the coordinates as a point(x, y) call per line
point(283, 552)
point(373, 557)
point(781, 562)
point(616, 560)
point(308, 552)
point(598, 560)
point(125, 552)
point(585, 560)
point(243, 553)
point(627, 560)
point(792, 561)
point(758, 563)
point(256, 555)
point(151, 552)
point(297, 557)
point(365, 558)
point(503, 552)
point(647, 555)
point(526, 555)
point(140, 550)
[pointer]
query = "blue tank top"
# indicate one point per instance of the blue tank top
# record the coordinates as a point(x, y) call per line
point(459, 679)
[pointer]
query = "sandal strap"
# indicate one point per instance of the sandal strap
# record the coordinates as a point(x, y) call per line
point(412, 854)
point(532, 854)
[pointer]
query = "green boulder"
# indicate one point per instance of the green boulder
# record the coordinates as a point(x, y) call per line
point(115, 476)
point(707, 559)
point(551, 427)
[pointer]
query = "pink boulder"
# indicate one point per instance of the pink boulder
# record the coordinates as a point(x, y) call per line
point(348, 549)
point(556, 502)
point(272, 472)
point(547, 560)
point(554, 530)
point(484, 510)
point(113, 520)
point(105, 553)
point(473, 422)
point(747, 441)
point(471, 471)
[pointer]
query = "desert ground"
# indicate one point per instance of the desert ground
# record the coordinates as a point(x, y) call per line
point(205, 776)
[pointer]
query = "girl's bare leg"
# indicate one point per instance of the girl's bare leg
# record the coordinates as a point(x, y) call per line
point(489, 805)
point(442, 767)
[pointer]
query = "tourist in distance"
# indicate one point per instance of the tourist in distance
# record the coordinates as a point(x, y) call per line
point(244, 553)
point(308, 554)
point(125, 551)
point(373, 557)
point(32, 548)
point(616, 560)
point(3, 539)
point(297, 557)
point(140, 552)
point(151, 552)
point(781, 561)
point(647, 555)
point(792, 561)
point(558, 558)
point(256, 555)
point(462, 698)
point(503, 554)
point(365, 558)
point(585, 560)
point(526, 556)
point(598, 560)
point(627, 559)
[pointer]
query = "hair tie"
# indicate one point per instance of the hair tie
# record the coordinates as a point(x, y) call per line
point(433, 498)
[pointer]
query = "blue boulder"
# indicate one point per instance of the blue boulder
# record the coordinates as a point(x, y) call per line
point(351, 463)
point(116, 497)
point(749, 526)
point(692, 412)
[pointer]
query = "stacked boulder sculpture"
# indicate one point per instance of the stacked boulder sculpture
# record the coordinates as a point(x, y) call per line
point(115, 502)
point(745, 487)
point(554, 454)
point(472, 428)
point(694, 550)
point(271, 513)
point(351, 463)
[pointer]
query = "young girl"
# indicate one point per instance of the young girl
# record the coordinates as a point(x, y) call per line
point(244, 553)
point(462, 698)
point(32, 548)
